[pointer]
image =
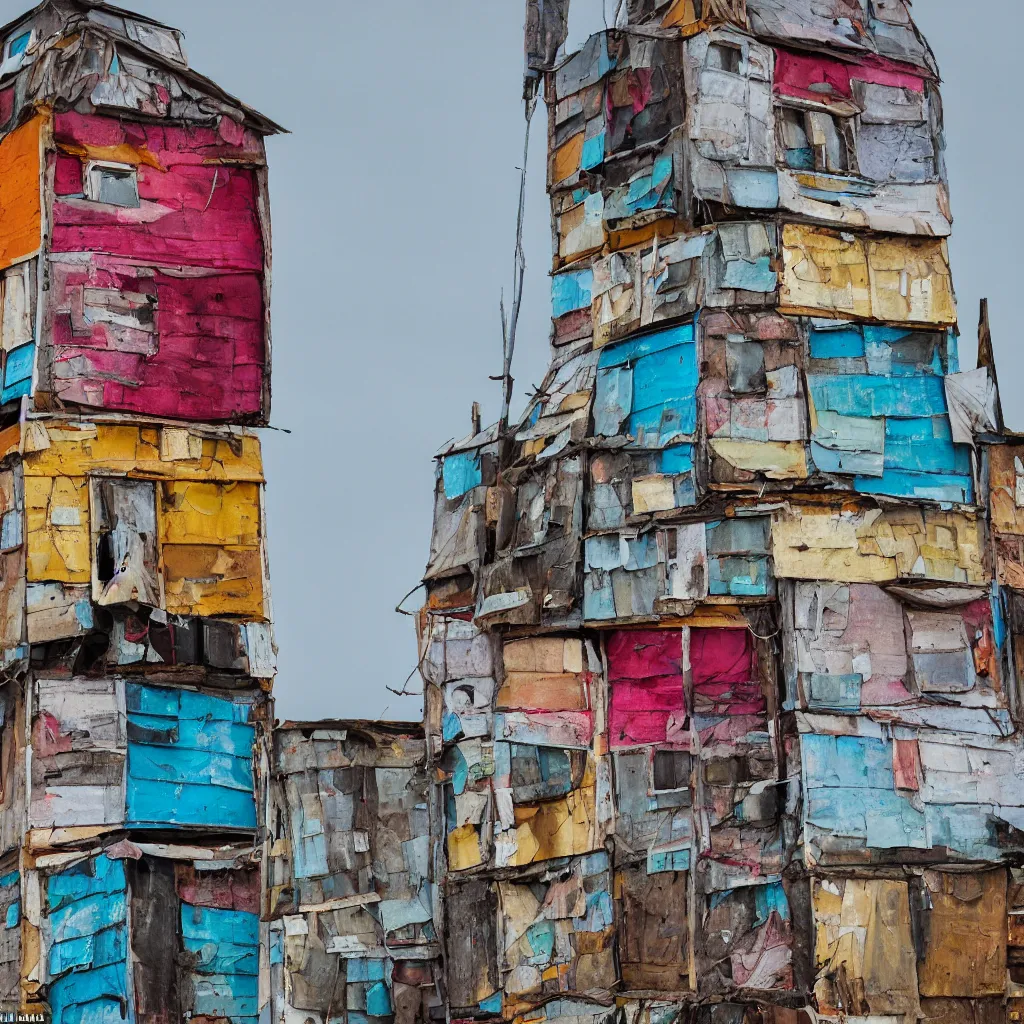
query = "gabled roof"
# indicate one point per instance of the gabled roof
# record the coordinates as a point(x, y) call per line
point(163, 46)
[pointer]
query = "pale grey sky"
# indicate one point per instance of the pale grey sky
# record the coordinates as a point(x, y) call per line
point(394, 208)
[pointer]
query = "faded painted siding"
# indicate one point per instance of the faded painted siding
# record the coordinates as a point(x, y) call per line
point(129, 329)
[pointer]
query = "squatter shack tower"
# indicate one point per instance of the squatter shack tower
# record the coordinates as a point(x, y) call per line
point(137, 654)
point(723, 640)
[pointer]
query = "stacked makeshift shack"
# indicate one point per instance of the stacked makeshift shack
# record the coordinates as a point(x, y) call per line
point(724, 640)
point(135, 641)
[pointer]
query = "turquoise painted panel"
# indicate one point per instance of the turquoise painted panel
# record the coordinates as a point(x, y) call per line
point(189, 760)
point(18, 372)
point(571, 291)
point(225, 969)
point(461, 473)
point(88, 955)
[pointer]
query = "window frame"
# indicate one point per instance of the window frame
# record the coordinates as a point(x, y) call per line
point(14, 37)
point(97, 535)
point(727, 44)
point(844, 119)
point(674, 754)
point(91, 181)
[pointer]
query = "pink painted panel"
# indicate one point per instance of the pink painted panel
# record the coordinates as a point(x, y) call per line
point(796, 74)
point(646, 681)
point(167, 316)
point(188, 348)
point(724, 673)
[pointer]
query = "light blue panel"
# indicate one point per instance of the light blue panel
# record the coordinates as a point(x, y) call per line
point(189, 759)
point(461, 473)
point(864, 762)
point(857, 394)
point(835, 460)
point(224, 942)
point(492, 1004)
point(892, 822)
point(20, 43)
point(843, 811)
point(835, 693)
point(841, 343)
point(672, 860)
point(664, 392)
point(929, 486)
point(87, 958)
point(571, 291)
point(598, 596)
point(235, 997)
point(738, 557)
point(739, 578)
point(651, 190)
point(225, 962)
point(662, 386)
point(926, 446)
point(952, 352)
point(998, 616)
point(13, 916)
point(614, 399)
point(18, 372)
point(378, 1000)
point(624, 352)
point(753, 188)
point(847, 762)
point(965, 828)
point(676, 460)
point(769, 899)
point(361, 970)
point(593, 153)
point(643, 552)
point(751, 275)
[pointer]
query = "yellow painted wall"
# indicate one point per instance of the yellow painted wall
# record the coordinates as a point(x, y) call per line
point(829, 273)
point(208, 510)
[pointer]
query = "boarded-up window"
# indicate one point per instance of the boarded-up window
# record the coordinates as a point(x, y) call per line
point(654, 931)
point(472, 918)
point(965, 935)
point(865, 951)
point(125, 537)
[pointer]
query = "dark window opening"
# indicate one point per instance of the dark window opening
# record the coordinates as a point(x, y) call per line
point(722, 57)
point(671, 770)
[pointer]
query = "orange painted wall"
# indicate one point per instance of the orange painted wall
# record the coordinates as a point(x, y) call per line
point(20, 210)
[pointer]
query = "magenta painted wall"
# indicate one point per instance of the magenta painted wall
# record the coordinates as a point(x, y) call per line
point(165, 315)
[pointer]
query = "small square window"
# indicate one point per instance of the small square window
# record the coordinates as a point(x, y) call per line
point(722, 57)
point(113, 184)
point(671, 770)
point(19, 44)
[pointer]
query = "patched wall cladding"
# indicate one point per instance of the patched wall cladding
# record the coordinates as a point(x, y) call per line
point(137, 653)
point(721, 641)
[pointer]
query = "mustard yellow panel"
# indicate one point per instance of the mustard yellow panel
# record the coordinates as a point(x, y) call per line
point(825, 272)
point(136, 451)
point(209, 513)
point(202, 579)
point(875, 546)
point(911, 281)
point(833, 273)
point(57, 527)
